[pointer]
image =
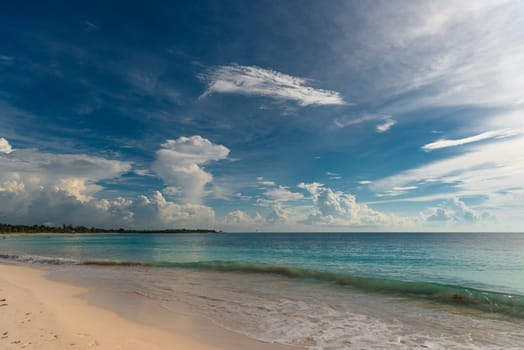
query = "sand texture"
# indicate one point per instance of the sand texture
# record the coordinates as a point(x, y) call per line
point(36, 313)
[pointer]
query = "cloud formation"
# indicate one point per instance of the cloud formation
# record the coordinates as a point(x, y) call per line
point(495, 134)
point(455, 212)
point(252, 80)
point(5, 147)
point(74, 174)
point(45, 188)
point(492, 170)
point(459, 53)
point(179, 163)
point(341, 209)
point(283, 194)
point(386, 125)
point(342, 122)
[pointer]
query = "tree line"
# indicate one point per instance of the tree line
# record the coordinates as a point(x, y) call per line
point(7, 228)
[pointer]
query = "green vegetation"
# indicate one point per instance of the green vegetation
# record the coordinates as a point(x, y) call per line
point(5, 228)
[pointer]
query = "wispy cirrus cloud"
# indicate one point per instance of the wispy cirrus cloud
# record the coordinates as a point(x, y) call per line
point(397, 191)
point(385, 122)
point(348, 121)
point(253, 80)
point(494, 134)
point(386, 125)
point(489, 170)
point(459, 53)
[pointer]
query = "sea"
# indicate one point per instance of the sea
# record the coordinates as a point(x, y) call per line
point(312, 290)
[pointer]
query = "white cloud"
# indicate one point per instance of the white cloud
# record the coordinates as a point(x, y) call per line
point(179, 163)
point(406, 188)
point(5, 147)
point(493, 170)
point(283, 194)
point(238, 218)
point(397, 191)
point(155, 211)
point(264, 182)
point(499, 134)
point(341, 209)
point(459, 53)
point(346, 121)
point(252, 80)
point(455, 212)
point(278, 215)
point(76, 174)
point(57, 206)
point(333, 176)
point(365, 182)
point(386, 125)
point(38, 187)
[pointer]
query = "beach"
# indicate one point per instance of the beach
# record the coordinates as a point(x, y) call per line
point(262, 291)
point(36, 313)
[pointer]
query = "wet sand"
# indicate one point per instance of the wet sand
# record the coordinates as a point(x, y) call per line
point(37, 313)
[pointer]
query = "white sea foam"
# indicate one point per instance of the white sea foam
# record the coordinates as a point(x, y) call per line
point(307, 314)
point(38, 259)
point(320, 316)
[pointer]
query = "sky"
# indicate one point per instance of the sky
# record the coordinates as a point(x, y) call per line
point(263, 115)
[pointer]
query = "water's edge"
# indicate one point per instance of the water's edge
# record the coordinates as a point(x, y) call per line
point(503, 304)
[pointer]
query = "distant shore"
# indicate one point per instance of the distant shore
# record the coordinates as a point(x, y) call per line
point(69, 229)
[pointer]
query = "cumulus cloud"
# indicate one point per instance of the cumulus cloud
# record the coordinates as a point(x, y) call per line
point(495, 134)
point(277, 215)
point(38, 187)
point(455, 211)
point(155, 211)
point(252, 80)
point(241, 218)
point(5, 147)
point(283, 194)
point(75, 174)
point(341, 209)
point(180, 164)
point(56, 206)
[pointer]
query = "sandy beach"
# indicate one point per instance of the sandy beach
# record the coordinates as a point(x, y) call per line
point(36, 313)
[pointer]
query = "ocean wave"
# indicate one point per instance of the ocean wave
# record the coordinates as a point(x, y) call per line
point(38, 259)
point(486, 301)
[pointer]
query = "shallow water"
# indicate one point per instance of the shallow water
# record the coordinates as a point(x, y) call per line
point(319, 291)
point(303, 313)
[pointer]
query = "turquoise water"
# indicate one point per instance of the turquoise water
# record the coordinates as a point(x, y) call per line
point(491, 261)
point(400, 289)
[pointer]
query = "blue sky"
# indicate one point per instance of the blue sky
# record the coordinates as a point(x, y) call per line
point(278, 116)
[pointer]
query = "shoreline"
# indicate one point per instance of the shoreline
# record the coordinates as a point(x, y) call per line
point(39, 313)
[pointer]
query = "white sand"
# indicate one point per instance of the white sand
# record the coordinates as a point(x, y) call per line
point(36, 313)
